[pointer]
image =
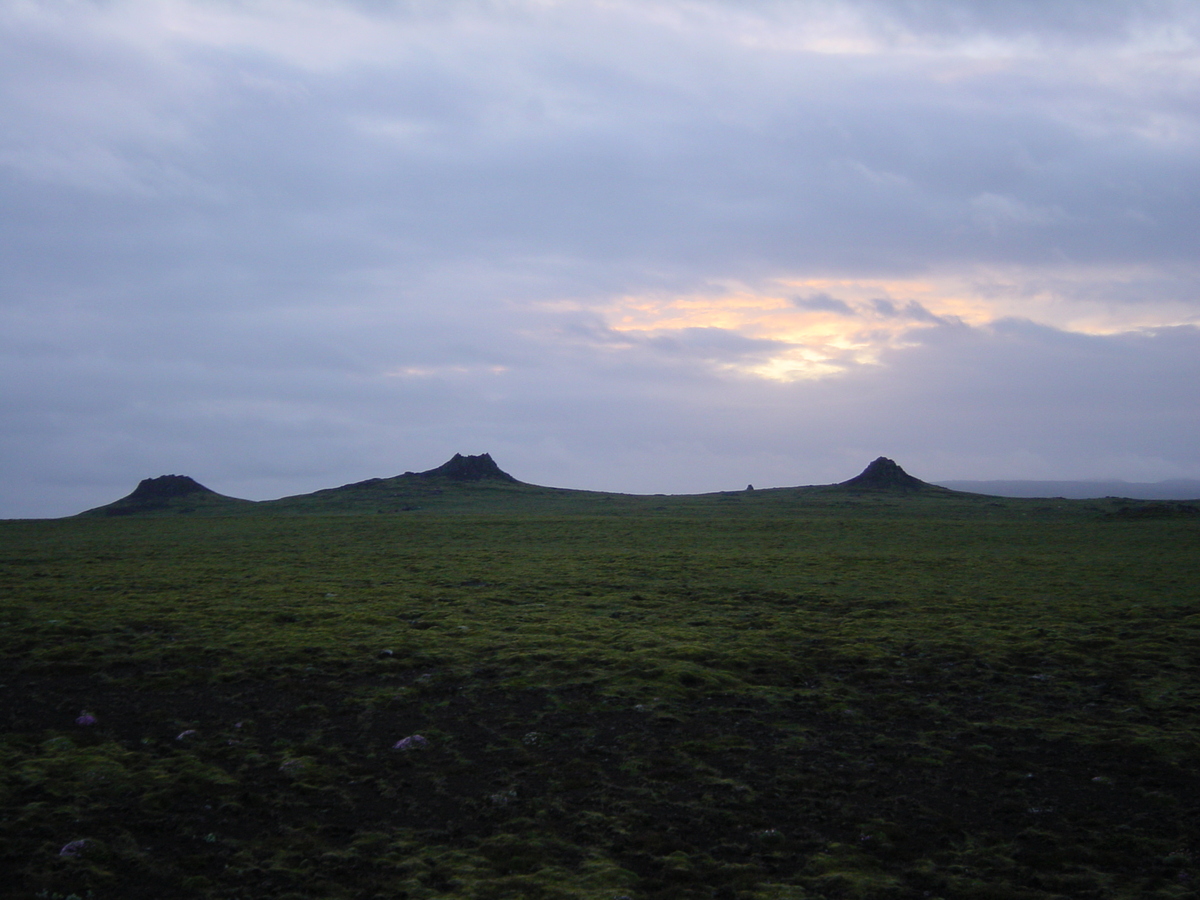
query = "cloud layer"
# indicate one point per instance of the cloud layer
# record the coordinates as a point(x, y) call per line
point(644, 246)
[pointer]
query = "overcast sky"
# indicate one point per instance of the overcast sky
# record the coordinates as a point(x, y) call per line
point(634, 245)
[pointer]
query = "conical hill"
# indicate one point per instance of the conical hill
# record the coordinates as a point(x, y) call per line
point(167, 494)
point(885, 475)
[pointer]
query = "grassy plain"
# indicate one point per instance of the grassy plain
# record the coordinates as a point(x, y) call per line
point(756, 695)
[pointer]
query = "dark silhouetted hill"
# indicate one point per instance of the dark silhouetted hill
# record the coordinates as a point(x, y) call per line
point(168, 494)
point(164, 487)
point(470, 468)
point(885, 475)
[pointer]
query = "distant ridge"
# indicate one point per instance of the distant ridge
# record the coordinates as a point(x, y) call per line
point(470, 468)
point(476, 484)
point(885, 475)
point(1175, 489)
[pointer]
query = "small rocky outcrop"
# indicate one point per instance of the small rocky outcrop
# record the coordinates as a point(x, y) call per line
point(470, 468)
point(165, 487)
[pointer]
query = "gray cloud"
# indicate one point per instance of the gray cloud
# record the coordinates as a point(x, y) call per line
point(822, 302)
point(911, 311)
point(281, 246)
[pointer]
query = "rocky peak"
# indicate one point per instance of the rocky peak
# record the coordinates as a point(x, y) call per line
point(470, 468)
point(885, 475)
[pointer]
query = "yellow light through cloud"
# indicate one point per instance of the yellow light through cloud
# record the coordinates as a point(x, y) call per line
point(829, 325)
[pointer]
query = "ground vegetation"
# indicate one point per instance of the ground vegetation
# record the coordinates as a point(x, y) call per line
point(844, 692)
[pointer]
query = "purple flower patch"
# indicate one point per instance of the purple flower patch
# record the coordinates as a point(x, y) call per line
point(74, 848)
point(412, 742)
point(85, 718)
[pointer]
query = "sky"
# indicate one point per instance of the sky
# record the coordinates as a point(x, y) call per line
point(650, 246)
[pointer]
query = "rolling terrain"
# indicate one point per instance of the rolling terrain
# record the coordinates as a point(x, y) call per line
point(878, 689)
point(475, 484)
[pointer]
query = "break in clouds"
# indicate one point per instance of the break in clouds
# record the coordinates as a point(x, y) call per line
point(653, 246)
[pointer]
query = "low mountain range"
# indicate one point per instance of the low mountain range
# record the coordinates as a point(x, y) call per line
point(477, 484)
point(1173, 489)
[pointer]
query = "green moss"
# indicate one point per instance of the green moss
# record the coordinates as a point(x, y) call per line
point(808, 698)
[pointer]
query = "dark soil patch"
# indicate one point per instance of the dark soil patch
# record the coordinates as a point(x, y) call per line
point(292, 786)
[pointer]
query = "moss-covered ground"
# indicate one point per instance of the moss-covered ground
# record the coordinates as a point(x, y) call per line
point(869, 698)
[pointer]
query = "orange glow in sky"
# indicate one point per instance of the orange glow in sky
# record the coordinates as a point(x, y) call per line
point(829, 324)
